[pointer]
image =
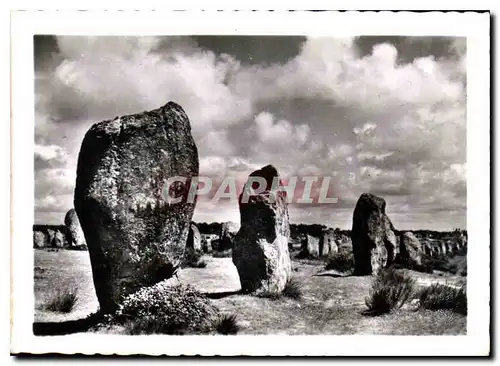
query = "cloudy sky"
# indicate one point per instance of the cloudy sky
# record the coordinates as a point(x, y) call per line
point(385, 115)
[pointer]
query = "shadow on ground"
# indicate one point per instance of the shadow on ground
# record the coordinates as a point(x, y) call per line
point(66, 327)
point(334, 275)
point(221, 295)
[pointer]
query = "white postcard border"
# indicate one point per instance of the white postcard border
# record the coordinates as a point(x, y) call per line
point(472, 25)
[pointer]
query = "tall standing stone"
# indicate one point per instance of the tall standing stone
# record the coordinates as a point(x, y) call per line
point(260, 250)
point(39, 239)
point(310, 247)
point(444, 248)
point(374, 241)
point(427, 249)
point(194, 238)
point(227, 233)
point(51, 235)
point(74, 230)
point(436, 250)
point(451, 247)
point(327, 244)
point(463, 239)
point(410, 249)
point(59, 239)
point(135, 237)
point(206, 242)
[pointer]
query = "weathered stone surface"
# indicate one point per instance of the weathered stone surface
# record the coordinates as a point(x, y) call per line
point(226, 237)
point(74, 232)
point(310, 247)
point(194, 238)
point(436, 250)
point(206, 242)
point(374, 241)
point(59, 240)
point(40, 240)
point(51, 235)
point(443, 249)
point(260, 250)
point(410, 249)
point(343, 241)
point(463, 240)
point(295, 243)
point(427, 248)
point(450, 247)
point(135, 238)
point(327, 244)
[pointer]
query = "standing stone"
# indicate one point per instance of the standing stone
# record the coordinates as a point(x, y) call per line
point(410, 250)
point(74, 230)
point(39, 239)
point(227, 233)
point(374, 241)
point(206, 242)
point(51, 235)
point(427, 249)
point(310, 247)
point(463, 239)
point(327, 244)
point(193, 253)
point(260, 251)
point(58, 240)
point(194, 238)
point(436, 250)
point(134, 236)
point(444, 248)
point(344, 241)
point(206, 245)
point(450, 248)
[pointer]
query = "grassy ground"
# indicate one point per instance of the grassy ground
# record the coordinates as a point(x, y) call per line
point(59, 270)
point(331, 304)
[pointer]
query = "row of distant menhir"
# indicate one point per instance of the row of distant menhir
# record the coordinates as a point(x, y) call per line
point(119, 162)
point(68, 236)
point(313, 241)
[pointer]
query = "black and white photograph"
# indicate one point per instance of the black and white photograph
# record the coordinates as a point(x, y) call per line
point(312, 183)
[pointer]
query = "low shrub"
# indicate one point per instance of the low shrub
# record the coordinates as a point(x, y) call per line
point(222, 253)
point(271, 295)
point(454, 265)
point(390, 289)
point(463, 271)
point(424, 267)
point(438, 262)
point(227, 324)
point(293, 289)
point(438, 296)
point(341, 261)
point(192, 258)
point(63, 301)
point(164, 309)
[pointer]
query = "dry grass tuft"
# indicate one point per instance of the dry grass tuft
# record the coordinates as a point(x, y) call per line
point(293, 289)
point(439, 296)
point(390, 289)
point(227, 324)
point(63, 301)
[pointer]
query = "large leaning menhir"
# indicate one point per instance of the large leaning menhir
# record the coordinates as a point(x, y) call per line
point(134, 237)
